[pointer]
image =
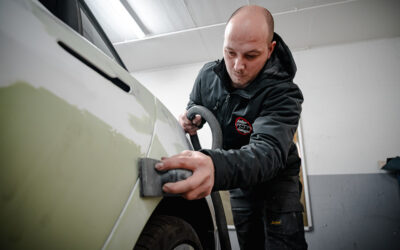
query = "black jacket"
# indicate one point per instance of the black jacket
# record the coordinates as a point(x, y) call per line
point(258, 125)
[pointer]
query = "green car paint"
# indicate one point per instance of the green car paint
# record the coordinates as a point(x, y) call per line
point(57, 190)
point(68, 172)
point(139, 209)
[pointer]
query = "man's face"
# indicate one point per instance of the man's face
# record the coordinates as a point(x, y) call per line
point(245, 53)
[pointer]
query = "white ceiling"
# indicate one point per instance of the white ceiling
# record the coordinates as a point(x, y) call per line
point(188, 31)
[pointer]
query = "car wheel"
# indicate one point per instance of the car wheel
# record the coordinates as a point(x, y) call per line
point(164, 232)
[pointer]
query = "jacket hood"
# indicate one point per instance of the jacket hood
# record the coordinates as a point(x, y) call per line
point(279, 67)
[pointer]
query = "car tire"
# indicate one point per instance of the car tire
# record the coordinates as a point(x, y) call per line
point(164, 232)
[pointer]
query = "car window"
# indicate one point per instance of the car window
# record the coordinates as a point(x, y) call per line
point(77, 15)
point(91, 33)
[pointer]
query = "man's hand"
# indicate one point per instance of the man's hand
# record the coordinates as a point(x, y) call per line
point(189, 126)
point(198, 185)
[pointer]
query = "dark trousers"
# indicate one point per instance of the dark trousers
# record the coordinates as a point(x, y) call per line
point(258, 229)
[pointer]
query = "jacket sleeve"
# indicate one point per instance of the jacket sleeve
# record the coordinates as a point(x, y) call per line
point(267, 151)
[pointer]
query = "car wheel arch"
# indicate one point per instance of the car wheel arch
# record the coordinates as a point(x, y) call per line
point(197, 213)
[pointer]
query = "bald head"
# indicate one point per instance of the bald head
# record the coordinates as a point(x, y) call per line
point(248, 44)
point(250, 10)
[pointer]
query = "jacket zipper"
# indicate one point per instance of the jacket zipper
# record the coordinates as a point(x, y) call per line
point(226, 107)
point(225, 115)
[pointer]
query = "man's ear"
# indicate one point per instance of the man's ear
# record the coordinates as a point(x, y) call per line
point(271, 48)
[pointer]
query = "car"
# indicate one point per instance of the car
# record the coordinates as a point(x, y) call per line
point(74, 124)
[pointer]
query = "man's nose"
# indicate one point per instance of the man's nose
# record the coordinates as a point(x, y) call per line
point(239, 64)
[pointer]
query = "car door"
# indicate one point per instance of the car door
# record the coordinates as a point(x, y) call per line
point(73, 125)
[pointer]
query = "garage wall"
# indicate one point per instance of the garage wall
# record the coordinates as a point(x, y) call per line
point(350, 121)
point(172, 85)
point(351, 115)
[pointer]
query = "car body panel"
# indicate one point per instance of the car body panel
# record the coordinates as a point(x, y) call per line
point(70, 139)
point(53, 178)
point(129, 225)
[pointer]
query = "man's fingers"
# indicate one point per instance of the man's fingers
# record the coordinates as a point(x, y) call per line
point(191, 188)
point(197, 120)
point(191, 129)
point(181, 186)
point(181, 154)
point(178, 161)
point(187, 122)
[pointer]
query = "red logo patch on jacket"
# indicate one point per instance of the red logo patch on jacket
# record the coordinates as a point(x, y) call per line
point(243, 126)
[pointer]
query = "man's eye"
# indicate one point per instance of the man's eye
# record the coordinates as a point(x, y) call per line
point(251, 56)
point(231, 53)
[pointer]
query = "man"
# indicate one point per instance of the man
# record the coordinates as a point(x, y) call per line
point(258, 106)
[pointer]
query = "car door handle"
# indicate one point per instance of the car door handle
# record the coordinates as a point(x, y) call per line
point(115, 80)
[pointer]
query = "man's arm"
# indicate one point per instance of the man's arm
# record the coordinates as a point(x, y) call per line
point(266, 154)
point(254, 163)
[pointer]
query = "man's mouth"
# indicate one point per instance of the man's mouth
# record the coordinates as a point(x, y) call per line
point(239, 75)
